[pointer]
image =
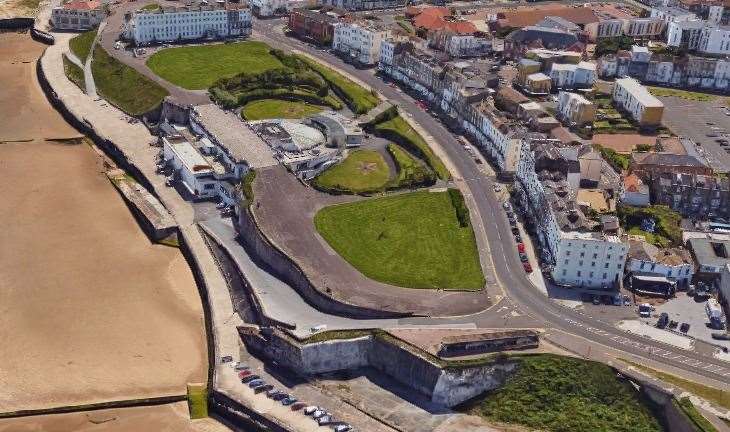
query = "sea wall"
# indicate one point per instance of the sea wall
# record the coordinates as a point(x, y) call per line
point(276, 262)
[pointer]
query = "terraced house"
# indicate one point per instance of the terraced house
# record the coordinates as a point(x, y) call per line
point(174, 24)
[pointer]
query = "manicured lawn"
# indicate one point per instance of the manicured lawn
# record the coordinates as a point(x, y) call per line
point(360, 99)
point(398, 130)
point(682, 94)
point(275, 108)
point(197, 401)
point(411, 240)
point(74, 73)
point(410, 170)
point(198, 67)
point(361, 171)
point(564, 394)
point(81, 45)
point(123, 86)
point(711, 394)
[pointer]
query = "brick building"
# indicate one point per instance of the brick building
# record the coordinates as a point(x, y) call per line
point(318, 26)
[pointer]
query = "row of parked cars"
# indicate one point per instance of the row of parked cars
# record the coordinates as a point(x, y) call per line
point(512, 217)
point(318, 414)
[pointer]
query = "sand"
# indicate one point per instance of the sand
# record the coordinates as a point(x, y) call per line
point(90, 310)
point(164, 418)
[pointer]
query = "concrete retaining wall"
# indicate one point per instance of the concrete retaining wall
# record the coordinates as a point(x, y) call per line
point(407, 368)
point(269, 257)
point(455, 386)
point(18, 23)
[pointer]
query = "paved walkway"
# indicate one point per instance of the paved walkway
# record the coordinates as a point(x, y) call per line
point(88, 75)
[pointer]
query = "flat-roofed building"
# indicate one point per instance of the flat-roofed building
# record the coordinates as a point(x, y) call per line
point(359, 40)
point(174, 23)
point(77, 15)
point(569, 76)
point(575, 110)
point(634, 98)
point(711, 252)
point(537, 84)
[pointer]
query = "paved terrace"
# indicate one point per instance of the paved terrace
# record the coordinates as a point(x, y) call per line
point(285, 209)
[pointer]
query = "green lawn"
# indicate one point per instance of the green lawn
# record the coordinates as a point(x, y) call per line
point(399, 131)
point(81, 45)
point(276, 108)
point(667, 230)
point(411, 172)
point(123, 86)
point(198, 67)
point(151, 7)
point(198, 401)
point(565, 394)
point(682, 94)
point(361, 171)
point(74, 73)
point(360, 99)
point(411, 240)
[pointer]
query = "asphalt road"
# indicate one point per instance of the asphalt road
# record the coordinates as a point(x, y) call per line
point(506, 263)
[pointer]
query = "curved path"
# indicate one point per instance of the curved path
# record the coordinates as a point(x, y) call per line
point(509, 271)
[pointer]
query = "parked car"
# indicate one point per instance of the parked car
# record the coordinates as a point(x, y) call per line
point(296, 406)
point(310, 409)
point(273, 392)
point(258, 388)
point(279, 396)
point(263, 388)
point(627, 300)
point(518, 238)
point(325, 420)
point(673, 324)
point(663, 320)
point(521, 247)
point(319, 413)
point(242, 366)
point(596, 300)
point(684, 328)
point(506, 205)
point(527, 267)
point(244, 373)
point(645, 310)
point(586, 297)
point(249, 378)
point(288, 400)
point(616, 300)
point(256, 382)
point(343, 428)
point(515, 231)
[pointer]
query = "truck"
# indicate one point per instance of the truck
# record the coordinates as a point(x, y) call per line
point(714, 314)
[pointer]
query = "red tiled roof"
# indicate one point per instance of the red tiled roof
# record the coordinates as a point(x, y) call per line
point(435, 19)
point(82, 5)
point(632, 183)
point(524, 17)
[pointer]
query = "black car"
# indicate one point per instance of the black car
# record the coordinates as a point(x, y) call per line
point(663, 320)
point(249, 378)
point(523, 257)
point(515, 231)
point(585, 297)
point(518, 238)
point(684, 328)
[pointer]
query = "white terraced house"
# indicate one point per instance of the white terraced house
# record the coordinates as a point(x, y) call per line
point(360, 41)
point(172, 24)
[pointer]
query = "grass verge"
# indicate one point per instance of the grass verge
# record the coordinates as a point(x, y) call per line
point(682, 94)
point(399, 131)
point(199, 67)
point(361, 171)
point(123, 86)
point(713, 395)
point(74, 73)
point(81, 45)
point(198, 401)
point(565, 394)
point(276, 108)
point(411, 240)
point(359, 99)
point(701, 423)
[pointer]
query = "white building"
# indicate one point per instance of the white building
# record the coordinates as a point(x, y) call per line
point(458, 45)
point(725, 284)
point(714, 15)
point(674, 264)
point(575, 109)
point(170, 24)
point(569, 76)
point(77, 15)
point(360, 41)
point(591, 260)
point(684, 34)
point(268, 8)
point(672, 14)
point(714, 40)
point(634, 98)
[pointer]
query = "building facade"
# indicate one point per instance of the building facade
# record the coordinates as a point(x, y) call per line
point(590, 260)
point(174, 24)
point(318, 26)
point(630, 96)
point(575, 110)
point(696, 196)
point(570, 76)
point(360, 41)
point(360, 5)
point(77, 15)
point(269, 8)
point(674, 264)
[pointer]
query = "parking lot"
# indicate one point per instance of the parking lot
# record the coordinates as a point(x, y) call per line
point(697, 120)
point(685, 309)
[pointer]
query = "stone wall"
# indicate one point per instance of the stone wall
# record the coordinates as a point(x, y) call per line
point(19, 23)
point(456, 385)
point(276, 262)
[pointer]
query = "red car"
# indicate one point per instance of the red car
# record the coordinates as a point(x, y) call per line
point(528, 267)
point(521, 247)
point(244, 373)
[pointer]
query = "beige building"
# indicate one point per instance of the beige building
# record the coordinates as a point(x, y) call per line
point(538, 83)
point(575, 110)
point(77, 15)
point(635, 99)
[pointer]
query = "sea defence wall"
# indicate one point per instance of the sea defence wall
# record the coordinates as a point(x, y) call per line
point(270, 257)
point(444, 382)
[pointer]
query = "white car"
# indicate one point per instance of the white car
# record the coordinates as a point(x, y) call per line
point(310, 409)
point(319, 413)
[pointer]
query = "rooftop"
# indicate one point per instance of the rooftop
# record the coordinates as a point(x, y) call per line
point(710, 252)
point(639, 92)
point(189, 156)
point(82, 5)
point(235, 136)
point(200, 7)
point(531, 15)
point(666, 159)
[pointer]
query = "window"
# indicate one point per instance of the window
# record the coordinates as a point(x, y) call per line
point(578, 274)
point(582, 254)
point(593, 263)
point(595, 255)
point(564, 272)
point(605, 275)
point(605, 265)
point(620, 266)
point(580, 263)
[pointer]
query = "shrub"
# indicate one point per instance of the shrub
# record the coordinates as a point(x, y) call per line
point(462, 212)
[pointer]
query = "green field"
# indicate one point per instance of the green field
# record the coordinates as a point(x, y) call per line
point(411, 240)
point(361, 100)
point(682, 94)
point(276, 108)
point(361, 171)
point(123, 86)
point(74, 73)
point(564, 394)
point(198, 67)
point(399, 131)
point(81, 45)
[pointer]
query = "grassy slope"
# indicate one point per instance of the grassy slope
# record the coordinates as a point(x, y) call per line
point(74, 73)
point(349, 175)
point(274, 108)
point(197, 401)
point(410, 170)
point(410, 240)
point(400, 127)
point(123, 86)
point(711, 394)
point(81, 45)
point(698, 419)
point(198, 67)
point(151, 7)
point(682, 94)
point(564, 394)
point(667, 222)
point(360, 99)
